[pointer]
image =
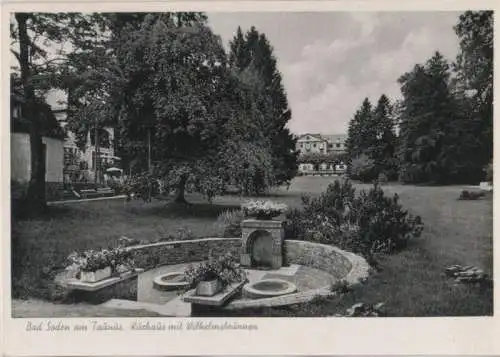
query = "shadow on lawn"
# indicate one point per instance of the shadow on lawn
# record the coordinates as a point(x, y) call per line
point(50, 213)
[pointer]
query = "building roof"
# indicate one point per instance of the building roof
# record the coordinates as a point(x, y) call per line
point(328, 137)
point(49, 125)
point(316, 136)
point(334, 137)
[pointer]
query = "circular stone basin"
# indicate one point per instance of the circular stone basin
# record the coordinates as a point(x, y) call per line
point(170, 281)
point(268, 288)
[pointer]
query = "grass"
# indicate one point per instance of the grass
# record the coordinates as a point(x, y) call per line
point(411, 283)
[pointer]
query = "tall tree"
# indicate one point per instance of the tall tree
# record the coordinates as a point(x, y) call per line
point(37, 35)
point(437, 141)
point(174, 84)
point(254, 51)
point(474, 67)
point(92, 75)
point(360, 134)
point(383, 152)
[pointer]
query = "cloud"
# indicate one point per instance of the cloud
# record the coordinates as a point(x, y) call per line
point(332, 75)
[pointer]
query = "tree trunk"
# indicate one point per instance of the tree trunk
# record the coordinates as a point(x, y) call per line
point(181, 188)
point(36, 189)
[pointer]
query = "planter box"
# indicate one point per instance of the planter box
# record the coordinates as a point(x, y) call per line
point(95, 276)
point(208, 288)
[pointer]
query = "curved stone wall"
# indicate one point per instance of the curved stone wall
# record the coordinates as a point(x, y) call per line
point(153, 255)
point(342, 265)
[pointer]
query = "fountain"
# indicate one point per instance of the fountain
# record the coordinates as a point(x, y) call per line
point(268, 288)
point(262, 243)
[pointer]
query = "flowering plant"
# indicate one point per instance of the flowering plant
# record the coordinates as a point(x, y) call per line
point(263, 209)
point(225, 269)
point(93, 260)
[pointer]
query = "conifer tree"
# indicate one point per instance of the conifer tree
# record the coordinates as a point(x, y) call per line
point(254, 52)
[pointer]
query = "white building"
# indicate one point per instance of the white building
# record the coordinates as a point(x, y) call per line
point(80, 165)
point(20, 147)
point(321, 144)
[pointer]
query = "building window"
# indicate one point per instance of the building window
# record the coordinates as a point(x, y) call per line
point(338, 145)
point(314, 145)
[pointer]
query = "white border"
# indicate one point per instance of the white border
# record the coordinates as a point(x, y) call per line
point(464, 336)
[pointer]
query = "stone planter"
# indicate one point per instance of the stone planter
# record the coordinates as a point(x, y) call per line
point(209, 288)
point(95, 276)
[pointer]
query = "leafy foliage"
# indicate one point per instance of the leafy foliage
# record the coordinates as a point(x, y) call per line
point(437, 140)
point(475, 72)
point(224, 268)
point(38, 70)
point(92, 260)
point(320, 158)
point(253, 52)
point(363, 168)
point(371, 142)
point(228, 223)
point(366, 224)
point(359, 133)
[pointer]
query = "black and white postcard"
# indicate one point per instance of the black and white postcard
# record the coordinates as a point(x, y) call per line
point(248, 178)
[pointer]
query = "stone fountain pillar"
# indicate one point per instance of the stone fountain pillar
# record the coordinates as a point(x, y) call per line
point(253, 229)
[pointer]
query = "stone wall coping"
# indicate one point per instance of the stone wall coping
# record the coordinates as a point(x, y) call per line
point(185, 241)
point(359, 272)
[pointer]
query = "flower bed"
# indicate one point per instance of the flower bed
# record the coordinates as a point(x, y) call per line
point(263, 209)
point(211, 277)
point(95, 265)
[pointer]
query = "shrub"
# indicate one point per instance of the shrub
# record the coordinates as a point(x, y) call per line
point(384, 226)
point(363, 169)
point(366, 224)
point(228, 223)
point(321, 217)
point(471, 195)
point(489, 172)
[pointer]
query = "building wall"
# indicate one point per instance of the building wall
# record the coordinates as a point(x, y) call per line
point(311, 144)
point(336, 145)
point(106, 154)
point(21, 158)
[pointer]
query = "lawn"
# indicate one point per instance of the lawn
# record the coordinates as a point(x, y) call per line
point(410, 283)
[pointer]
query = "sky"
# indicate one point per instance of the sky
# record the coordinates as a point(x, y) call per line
point(331, 61)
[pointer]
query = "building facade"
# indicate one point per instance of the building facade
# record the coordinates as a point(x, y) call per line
point(80, 165)
point(321, 143)
point(20, 147)
point(321, 153)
